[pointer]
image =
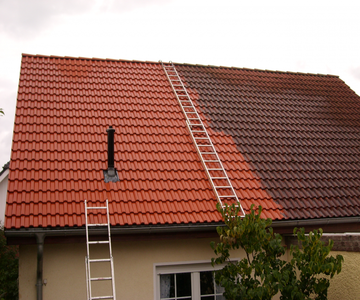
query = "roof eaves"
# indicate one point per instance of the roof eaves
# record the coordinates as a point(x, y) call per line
point(170, 228)
point(136, 229)
point(315, 222)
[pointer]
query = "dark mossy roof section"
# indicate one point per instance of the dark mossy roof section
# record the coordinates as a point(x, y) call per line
point(300, 133)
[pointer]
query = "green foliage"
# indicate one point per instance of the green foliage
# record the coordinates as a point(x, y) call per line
point(9, 266)
point(2, 111)
point(264, 272)
point(311, 262)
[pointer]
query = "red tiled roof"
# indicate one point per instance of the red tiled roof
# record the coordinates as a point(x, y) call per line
point(290, 142)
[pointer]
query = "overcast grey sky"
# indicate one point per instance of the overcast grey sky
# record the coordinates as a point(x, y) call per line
point(300, 36)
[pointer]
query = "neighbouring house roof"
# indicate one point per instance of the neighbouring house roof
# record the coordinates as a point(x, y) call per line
point(289, 142)
point(4, 170)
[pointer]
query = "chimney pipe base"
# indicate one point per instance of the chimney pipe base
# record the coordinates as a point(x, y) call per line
point(111, 175)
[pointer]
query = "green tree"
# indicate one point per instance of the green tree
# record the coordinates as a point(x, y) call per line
point(9, 269)
point(264, 272)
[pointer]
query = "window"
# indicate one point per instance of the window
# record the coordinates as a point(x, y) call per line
point(175, 286)
point(209, 290)
point(188, 281)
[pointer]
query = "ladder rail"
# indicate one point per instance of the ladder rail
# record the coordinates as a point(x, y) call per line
point(110, 250)
point(193, 120)
point(87, 258)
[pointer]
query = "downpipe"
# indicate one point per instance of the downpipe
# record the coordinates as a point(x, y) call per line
point(40, 237)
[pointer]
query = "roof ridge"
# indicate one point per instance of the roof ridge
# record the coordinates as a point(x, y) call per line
point(88, 58)
point(184, 64)
point(258, 70)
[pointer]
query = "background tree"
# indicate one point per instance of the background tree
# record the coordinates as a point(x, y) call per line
point(9, 269)
point(264, 272)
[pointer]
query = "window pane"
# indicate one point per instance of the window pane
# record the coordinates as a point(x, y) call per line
point(167, 287)
point(208, 298)
point(218, 297)
point(219, 289)
point(206, 283)
point(183, 284)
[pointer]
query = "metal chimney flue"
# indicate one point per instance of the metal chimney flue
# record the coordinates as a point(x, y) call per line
point(111, 174)
point(111, 168)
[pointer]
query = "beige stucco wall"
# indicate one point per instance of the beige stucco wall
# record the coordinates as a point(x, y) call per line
point(346, 285)
point(64, 267)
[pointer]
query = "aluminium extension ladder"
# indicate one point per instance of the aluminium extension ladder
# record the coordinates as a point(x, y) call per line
point(214, 168)
point(103, 261)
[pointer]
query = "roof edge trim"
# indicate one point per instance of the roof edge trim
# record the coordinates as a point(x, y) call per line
point(114, 230)
point(170, 228)
point(315, 222)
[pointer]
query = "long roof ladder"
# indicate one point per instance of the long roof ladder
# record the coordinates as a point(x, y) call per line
point(214, 168)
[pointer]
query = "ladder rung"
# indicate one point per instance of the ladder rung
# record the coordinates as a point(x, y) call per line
point(222, 187)
point(96, 207)
point(100, 260)
point(213, 169)
point(213, 161)
point(95, 225)
point(228, 196)
point(98, 242)
point(210, 153)
point(219, 178)
point(198, 131)
point(100, 278)
point(102, 297)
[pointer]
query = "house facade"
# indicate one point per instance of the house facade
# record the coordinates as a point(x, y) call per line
point(289, 142)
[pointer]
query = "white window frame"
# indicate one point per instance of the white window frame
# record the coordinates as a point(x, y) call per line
point(193, 267)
